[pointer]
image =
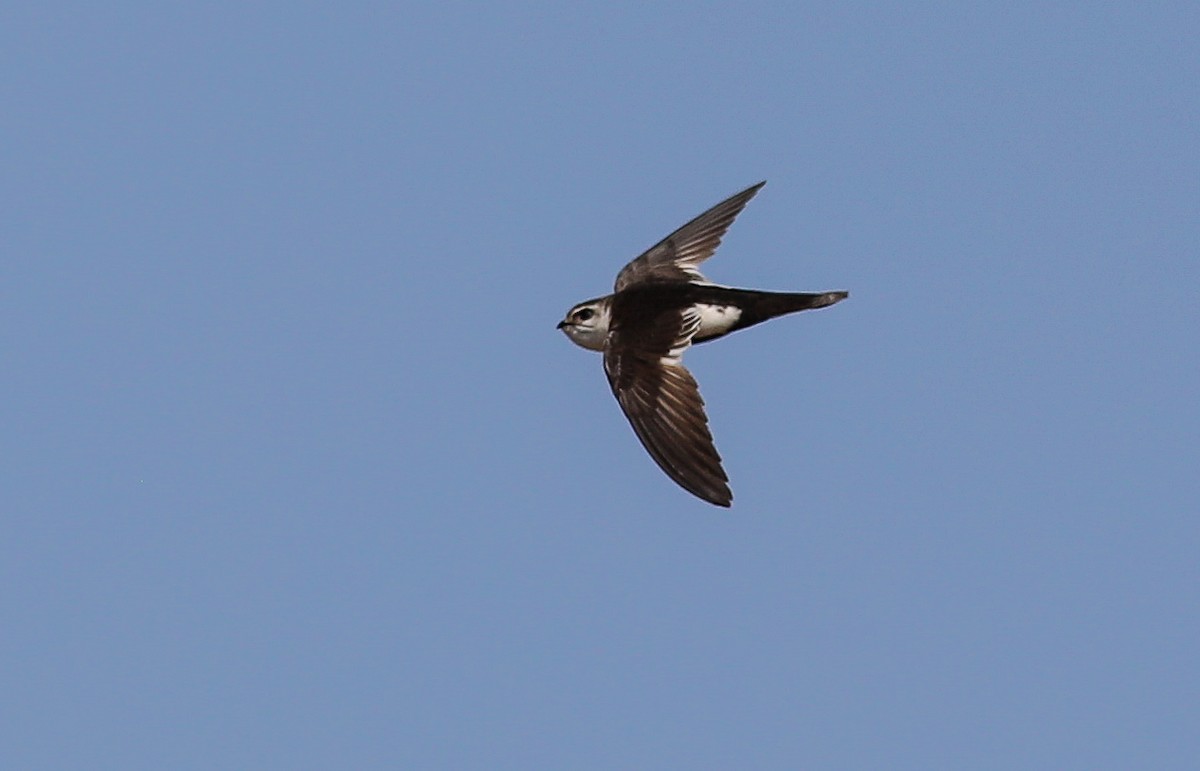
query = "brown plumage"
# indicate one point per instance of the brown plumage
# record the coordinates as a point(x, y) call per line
point(661, 305)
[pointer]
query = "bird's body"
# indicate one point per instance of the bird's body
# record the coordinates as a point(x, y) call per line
point(661, 306)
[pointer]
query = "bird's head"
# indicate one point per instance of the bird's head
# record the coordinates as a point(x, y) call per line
point(587, 323)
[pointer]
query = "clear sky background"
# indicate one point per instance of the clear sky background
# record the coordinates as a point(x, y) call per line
point(297, 473)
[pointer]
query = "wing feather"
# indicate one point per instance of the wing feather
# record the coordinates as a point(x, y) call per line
point(676, 257)
point(662, 402)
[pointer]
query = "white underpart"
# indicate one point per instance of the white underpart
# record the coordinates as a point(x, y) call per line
point(691, 326)
point(717, 319)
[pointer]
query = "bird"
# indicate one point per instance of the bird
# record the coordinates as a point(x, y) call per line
point(660, 306)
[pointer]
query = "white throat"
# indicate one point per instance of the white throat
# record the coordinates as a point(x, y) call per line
point(593, 332)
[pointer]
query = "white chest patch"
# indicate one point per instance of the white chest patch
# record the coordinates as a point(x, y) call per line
point(717, 319)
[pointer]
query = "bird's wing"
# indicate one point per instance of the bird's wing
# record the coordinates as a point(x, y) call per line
point(662, 401)
point(676, 257)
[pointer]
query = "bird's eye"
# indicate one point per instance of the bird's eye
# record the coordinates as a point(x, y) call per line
point(585, 314)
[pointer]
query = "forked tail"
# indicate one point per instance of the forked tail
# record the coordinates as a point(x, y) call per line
point(768, 305)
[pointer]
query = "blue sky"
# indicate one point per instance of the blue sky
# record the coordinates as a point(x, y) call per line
point(297, 472)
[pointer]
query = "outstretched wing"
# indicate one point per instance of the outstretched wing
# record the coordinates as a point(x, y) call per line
point(676, 257)
point(662, 401)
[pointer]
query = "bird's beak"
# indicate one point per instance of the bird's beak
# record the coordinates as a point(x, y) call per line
point(561, 324)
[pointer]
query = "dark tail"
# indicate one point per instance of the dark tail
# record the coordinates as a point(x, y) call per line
point(760, 306)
